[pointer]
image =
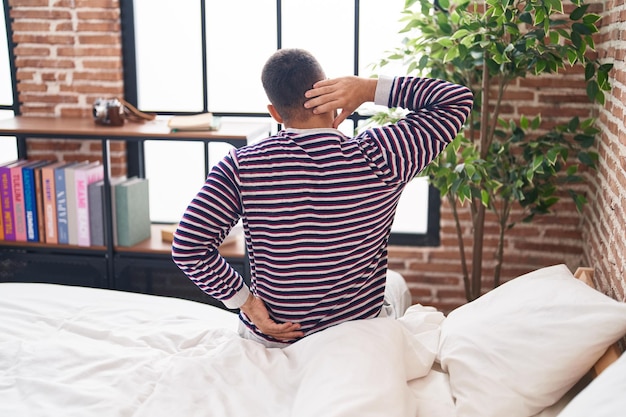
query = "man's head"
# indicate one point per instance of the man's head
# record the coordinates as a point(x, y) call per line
point(286, 76)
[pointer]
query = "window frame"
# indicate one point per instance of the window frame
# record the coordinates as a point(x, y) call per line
point(15, 106)
point(135, 150)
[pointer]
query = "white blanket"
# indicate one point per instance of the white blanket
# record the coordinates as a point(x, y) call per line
point(69, 351)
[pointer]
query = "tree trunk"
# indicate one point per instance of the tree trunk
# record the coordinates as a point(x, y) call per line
point(478, 221)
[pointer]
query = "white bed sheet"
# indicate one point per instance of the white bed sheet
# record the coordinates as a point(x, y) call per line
point(71, 351)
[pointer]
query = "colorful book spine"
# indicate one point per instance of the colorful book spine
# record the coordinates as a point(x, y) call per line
point(39, 200)
point(95, 193)
point(49, 198)
point(19, 210)
point(6, 193)
point(59, 182)
point(70, 192)
point(113, 183)
point(84, 176)
point(132, 210)
point(30, 200)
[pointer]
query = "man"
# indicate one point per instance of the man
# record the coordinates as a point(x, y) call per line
point(317, 206)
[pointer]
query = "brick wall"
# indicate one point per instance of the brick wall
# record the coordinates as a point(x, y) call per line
point(604, 231)
point(69, 53)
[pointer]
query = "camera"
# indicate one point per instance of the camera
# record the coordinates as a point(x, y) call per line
point(109, 112)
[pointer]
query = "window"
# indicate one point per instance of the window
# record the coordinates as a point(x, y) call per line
point(8, 108)
point(193, 56)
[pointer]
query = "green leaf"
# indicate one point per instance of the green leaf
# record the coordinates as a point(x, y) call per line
point(591, 18)
point(445, 42)
point(557, 5)
point(585, 158)
point(423, 61)
point(600, 97)
point(590, 71)
point(585, 141)
point(582, 29)
point(540, 66)
point(536, 122)
point(460, 34)
point(573, 124)
point(573, 169)
point(552, 155)
point(577, 40)
point(451, 54)
point(526, 17)
point(579, 12)
point(592, 90)
point(554, 37)
point(445, 28)
point(572, 56)
point(484, 197)
point(537, 162)
point(579, 199)
point(524, 122)
point(465, 193)
point(540, 16)
point(470, 170)
point(605, 67)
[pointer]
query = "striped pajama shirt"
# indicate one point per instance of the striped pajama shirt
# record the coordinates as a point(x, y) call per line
point(317, 209)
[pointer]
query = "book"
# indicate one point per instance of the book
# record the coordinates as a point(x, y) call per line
point(19, 206)
point(30, 200)
point(132, 210)
point(2, 169)
point(113, 182)
point(61, 201)
point(39, 202)
point(70, 193)
point(201, 122)
point(83, 176)
point(49, 198)
point(95, 195)
point(6, 193)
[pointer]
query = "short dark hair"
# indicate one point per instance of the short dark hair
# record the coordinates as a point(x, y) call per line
point(286, 76)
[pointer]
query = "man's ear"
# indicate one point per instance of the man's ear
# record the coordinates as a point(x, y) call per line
point(274, 113)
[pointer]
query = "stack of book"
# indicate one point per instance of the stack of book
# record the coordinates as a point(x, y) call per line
point(63, 203)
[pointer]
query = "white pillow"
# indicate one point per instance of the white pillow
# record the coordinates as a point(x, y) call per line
point(520, 347)
point(604, 397)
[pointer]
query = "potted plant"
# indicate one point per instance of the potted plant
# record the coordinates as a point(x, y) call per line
point(495, 164)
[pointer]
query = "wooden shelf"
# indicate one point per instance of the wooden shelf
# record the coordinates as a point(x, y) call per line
point(235, 132)
point(234, 249)
point(146, 260)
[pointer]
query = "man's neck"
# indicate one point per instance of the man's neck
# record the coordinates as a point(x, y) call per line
point(322, 121)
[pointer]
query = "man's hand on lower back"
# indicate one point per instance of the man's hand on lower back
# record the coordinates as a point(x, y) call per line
point(254, 308)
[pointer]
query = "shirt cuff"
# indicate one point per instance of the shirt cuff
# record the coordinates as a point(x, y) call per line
point(238, 299)
point(383, 90)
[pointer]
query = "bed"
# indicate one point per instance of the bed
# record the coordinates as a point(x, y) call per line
point(521, 350)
